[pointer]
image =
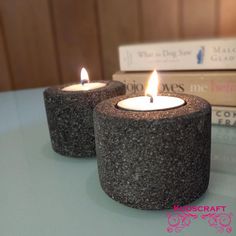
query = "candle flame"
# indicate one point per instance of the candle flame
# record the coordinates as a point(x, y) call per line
point(84, 77)
point(152, 87)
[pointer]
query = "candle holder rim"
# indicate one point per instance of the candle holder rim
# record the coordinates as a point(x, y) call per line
point(59, 88)
point(109, 108)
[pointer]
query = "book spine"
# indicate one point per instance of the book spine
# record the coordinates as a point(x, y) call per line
point(224, 116)
point(198, 55)
point(217, 88)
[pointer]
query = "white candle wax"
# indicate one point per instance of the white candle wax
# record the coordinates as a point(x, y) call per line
point(143, 103)
point(84, 87)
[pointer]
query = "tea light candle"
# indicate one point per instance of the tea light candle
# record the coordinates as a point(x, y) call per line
point(151, 102)
point(153, 156)
point(69, 110)
point(85, 85)
point(143, 103)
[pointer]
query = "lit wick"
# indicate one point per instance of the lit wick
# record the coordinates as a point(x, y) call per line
point(84, 78)
point(84, 82)
point(151, 97)
point(152, 87)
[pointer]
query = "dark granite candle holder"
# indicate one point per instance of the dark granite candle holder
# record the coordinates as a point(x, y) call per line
point(157, 159)
point(70, 117)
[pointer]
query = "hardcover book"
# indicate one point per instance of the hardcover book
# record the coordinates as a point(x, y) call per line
point(208, 54)
point(217, 87)
point(224, 116)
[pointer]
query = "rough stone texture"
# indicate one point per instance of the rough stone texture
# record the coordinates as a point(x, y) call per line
point(157, 159)
point(70, 117)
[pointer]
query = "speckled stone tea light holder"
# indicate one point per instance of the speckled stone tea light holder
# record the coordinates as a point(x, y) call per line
point(156, 159)
point(70, 117)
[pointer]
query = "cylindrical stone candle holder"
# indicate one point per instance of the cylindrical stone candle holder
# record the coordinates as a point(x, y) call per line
point(70, 117)
point(155, 159)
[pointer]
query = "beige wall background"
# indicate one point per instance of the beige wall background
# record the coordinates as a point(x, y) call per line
point(45, 42)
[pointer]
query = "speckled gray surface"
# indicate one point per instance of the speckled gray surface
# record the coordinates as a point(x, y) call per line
point(70, 117)
point(154, 160)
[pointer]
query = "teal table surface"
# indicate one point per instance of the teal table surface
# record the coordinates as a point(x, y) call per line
point(43, 193)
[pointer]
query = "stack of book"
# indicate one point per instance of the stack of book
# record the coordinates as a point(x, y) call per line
point(205, 68)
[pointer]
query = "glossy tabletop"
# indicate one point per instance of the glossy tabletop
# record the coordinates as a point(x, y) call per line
point(45, 194)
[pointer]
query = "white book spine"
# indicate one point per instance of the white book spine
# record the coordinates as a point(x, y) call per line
point(185, 55)
point(224, 115)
